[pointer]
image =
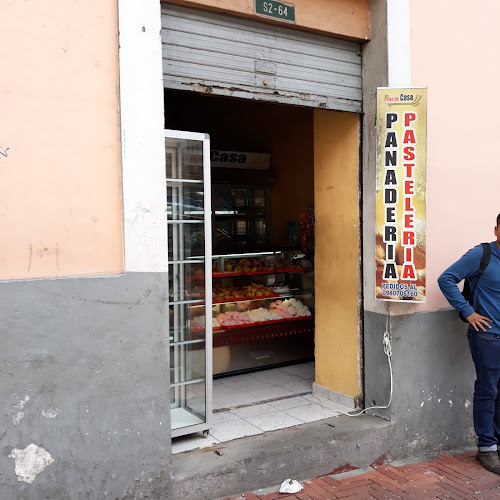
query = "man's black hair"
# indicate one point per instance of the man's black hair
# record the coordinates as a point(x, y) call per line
point(498, 220)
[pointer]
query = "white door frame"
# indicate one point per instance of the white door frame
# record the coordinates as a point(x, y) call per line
point(142, 136)
point(207, 257)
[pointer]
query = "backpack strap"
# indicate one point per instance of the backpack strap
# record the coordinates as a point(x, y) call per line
point(485, 260)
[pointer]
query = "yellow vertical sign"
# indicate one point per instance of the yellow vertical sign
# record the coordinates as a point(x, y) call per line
point(400, 194)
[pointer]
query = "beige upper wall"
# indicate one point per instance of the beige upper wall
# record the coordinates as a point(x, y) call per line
point(344, 18)
point(60, 201)
point(456, 59)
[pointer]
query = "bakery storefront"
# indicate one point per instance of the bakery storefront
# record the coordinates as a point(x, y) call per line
point(262, 171)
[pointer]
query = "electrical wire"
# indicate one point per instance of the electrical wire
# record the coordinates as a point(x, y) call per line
point(386, 341)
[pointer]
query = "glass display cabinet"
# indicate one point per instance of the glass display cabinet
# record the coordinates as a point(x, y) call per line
point(190, 280)
point(263, 310)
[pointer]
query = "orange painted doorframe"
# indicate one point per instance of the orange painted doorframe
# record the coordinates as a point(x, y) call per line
point(337, 256)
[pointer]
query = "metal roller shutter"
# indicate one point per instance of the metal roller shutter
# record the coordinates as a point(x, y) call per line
point(225, 55)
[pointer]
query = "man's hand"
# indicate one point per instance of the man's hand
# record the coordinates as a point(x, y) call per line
point(478, 321)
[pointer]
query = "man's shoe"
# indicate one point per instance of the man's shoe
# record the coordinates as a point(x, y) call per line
point(489, 460)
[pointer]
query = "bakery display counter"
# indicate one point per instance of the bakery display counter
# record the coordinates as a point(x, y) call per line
point(265, 331)
point(252, 347)
point(262, 309)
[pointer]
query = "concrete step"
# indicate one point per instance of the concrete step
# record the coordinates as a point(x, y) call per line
point(300, 452)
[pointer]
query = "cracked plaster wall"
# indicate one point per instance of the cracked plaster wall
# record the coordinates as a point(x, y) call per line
point(433, 380)
point(85, 362)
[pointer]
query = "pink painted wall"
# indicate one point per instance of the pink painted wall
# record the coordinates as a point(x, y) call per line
point(454, 47)
point(60, 184)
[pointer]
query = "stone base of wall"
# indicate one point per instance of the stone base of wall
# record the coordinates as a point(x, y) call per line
point(84, 377)
point(433, 380)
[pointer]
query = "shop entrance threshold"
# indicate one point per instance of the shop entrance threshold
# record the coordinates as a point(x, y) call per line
point(265, 460)
point(254, 403)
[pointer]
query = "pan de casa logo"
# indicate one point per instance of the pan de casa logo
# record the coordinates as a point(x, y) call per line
point(408, 99)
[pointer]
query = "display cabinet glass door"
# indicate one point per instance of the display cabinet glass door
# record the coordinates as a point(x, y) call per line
point(190, 280)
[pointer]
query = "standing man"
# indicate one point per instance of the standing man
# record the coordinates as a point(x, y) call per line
point(484, 341)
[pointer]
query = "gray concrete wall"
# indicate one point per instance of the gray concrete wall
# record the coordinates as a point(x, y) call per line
point(92, 354)
point(433, 380)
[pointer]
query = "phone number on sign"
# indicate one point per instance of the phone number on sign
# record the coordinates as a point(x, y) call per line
point(399, 293)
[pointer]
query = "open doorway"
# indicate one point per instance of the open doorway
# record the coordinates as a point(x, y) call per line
point(263, 228)
point(263, 267)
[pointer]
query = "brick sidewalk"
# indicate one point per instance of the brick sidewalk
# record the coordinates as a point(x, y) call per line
point(456, 477)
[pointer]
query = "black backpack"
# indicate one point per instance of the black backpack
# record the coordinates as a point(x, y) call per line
point(468, 293)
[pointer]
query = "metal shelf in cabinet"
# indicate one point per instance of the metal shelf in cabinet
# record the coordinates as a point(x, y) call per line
point(250, 299)
point(200, 302)
point(221, 274)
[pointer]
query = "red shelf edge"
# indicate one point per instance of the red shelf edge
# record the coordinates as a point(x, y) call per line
point(278, 321)
point(221, 274)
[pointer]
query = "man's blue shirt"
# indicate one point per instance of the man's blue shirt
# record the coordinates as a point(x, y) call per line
point(487, 293)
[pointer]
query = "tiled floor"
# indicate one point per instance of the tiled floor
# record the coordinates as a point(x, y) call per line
point(254, 403)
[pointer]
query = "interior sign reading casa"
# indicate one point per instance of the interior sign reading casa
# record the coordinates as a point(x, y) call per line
point(400, 198)
point(275, 9)
point(235, 159)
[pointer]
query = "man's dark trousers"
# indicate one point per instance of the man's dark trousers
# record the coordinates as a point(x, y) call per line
point(485, 350)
